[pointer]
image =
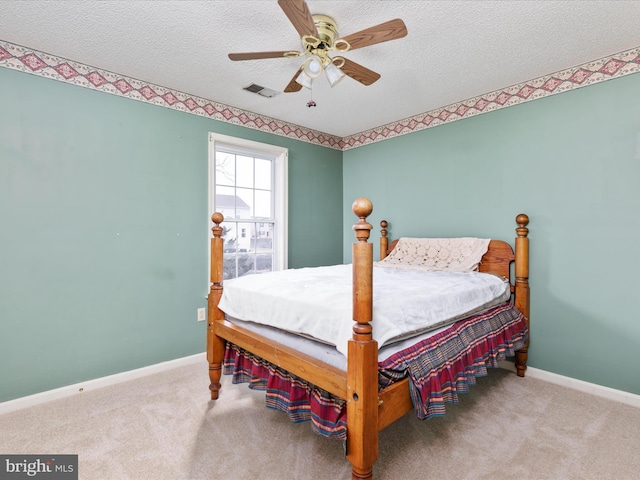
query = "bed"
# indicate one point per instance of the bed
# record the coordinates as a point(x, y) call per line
point(374, 386)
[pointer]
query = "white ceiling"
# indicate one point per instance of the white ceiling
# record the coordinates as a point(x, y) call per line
point(454, 50)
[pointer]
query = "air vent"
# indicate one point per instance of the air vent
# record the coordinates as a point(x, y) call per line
point(260, 90)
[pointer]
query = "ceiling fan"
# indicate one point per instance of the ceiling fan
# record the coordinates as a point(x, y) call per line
point(318, 35)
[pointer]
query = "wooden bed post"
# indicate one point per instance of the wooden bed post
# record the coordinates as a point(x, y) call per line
point(215, 344)
point(522, 284)
point(362, 359)
point(384, 240)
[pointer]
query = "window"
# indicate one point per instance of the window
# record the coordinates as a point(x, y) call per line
point(248, 185)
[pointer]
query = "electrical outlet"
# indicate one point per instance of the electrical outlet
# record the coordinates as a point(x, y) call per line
point(202, 314)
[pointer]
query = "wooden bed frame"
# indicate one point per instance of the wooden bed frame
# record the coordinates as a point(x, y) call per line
point(368, 409)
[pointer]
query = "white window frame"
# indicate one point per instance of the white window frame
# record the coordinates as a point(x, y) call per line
point(280, 189)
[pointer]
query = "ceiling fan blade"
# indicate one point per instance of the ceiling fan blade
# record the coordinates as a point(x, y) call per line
point(293, 86)
point(261, 55)
point(299, 15)
point(391, 30)
point(359, 73)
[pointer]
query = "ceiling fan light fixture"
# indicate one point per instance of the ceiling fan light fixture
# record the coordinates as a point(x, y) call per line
point(304, 80)
point(334, 74)
point(313, 67)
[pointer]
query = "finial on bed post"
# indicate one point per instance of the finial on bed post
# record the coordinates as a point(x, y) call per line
point(217, 218)
point(522, 284)
point(362, 207)
point(384, 240)
point(215, 345)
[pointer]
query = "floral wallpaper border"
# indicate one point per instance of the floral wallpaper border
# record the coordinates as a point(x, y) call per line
point(31, 61)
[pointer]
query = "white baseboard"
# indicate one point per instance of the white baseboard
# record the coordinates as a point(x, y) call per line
point(591, 388)
point(78, 388)
point(31, 400)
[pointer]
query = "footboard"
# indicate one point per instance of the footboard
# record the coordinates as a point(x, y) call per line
point(358, 386)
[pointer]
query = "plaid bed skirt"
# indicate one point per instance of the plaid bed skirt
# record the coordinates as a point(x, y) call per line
point(439, 368)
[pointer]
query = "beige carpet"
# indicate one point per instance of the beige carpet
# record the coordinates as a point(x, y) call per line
point(164, 427)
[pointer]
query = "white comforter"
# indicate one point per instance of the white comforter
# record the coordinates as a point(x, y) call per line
point(317, 301)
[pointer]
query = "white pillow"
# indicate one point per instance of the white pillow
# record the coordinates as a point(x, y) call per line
point(437, 254)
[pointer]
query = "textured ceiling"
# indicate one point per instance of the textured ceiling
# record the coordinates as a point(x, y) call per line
point(454, 50)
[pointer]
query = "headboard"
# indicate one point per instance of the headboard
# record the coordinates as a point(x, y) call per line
point(498, 257)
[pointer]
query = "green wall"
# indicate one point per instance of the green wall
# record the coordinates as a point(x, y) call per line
point(572, 163)
point(104, 228)
point(103, 214)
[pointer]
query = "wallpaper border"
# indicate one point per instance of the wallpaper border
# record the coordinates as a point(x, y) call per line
point(35, 62)
point(17, 57)
point(603, 69)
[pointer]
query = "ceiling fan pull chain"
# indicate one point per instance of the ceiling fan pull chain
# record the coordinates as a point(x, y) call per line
point(311, 102)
